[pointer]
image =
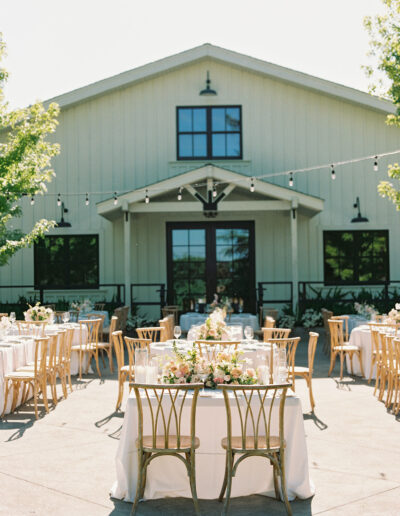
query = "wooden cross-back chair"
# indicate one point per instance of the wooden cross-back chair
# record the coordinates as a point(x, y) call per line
point(58, 315)
point(163, 409)
point(99, 306)
point(307, 372)
point(171, 310)
point(73, 315)
point(209, 349)
point(396, 402)
point(341, 347)
point(345, 319)
point(35, 328)
point(88, 343)
point(391, 369)
point(269, 322)
point(154, 333)
point(326, 315)
point(275, 333)
point(375, 355)
point(107, 347)
point(126, 372)
point(168, 324)
point(35, 378)
point(254, 405)
point(290, 346)
point(67, 357)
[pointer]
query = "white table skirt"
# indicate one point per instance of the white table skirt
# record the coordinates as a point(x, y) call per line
point(167, 476)
point(190, 319)
point(361, 337)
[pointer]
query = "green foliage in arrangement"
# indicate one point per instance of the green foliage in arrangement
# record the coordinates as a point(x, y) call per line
point(384, 34)
point(25, 157)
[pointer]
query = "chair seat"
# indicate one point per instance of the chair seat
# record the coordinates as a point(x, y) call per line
point(185, 442)
point(125, 369)
point(301, 370)
point(103, 345)
point(346, 347)
point(23, 375)
point(85, 347)
point(237, 443)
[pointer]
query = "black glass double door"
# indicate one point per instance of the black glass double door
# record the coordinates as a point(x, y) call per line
point(208, 258)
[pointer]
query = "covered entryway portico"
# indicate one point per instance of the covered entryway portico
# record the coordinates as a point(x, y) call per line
point(212, 226)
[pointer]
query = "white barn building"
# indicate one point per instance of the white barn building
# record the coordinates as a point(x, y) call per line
point(154, 132)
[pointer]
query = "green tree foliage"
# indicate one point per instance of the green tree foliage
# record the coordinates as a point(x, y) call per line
point(24, 166)
point(384, 32)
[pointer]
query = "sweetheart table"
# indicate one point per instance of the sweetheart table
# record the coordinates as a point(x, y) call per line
point(167, 476)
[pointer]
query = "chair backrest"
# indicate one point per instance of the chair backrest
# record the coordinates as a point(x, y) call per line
point(154, 333)
point(290, 345)
point(89, 331)
point(58, 316)
point(345, 319)
point(391, 356)
point(131, 346)
point(3, 314)
point(68, 343)
point(61, 346)
point(168, 324)
point(275, 333)
point(74, 315)
point(99, 306)
point(312, 346)
point(254, 405)
point(113, 327)
point(380, 318)
point(326, 314)
point(264, 312)
point(163, 405)
point(336, 332)
point(269, 322)
point(52, 350)
point(41, 347)
point(97, 316)
point(36, 328)
point(396, 344)
point(209, 349)
point(122, 314)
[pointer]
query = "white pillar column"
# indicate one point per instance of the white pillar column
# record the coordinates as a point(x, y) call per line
point(127, 256)
point(295, 264)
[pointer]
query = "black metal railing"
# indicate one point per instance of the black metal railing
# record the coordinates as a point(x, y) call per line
point(264, 287)
point(341, 294)
point(160, 290)
point(119, 295)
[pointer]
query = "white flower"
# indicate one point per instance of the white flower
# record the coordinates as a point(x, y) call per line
point(397, 306)
point(227, 377)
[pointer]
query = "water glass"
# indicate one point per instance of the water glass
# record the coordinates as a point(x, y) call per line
point(12, 317)
point(248, 333)
point(65, 317)
point(177, 332)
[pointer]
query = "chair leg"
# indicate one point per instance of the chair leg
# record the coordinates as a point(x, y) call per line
point(110, 360)
point(378, 377)
point(143, 487)
point(221, 495)
point(192, 478)
point(139, 482)
point(333, 359)
point(96, 357)
point(35, 399)
point(373, 361)
point(228, 485)
point(276, 483)
point(69, 376)
point(283, 483)
point(44, 394)
point(341, 364)
point(310, 392)
point(361, 364)
point(351, 363)
point(120, 392)
point(102, 359)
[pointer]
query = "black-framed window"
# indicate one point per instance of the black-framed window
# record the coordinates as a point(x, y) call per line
point(67, 261)
point(356, 257)
point(209, 132)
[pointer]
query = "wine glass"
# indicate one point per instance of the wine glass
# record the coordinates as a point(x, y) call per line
point(65, 317)
point(248, 333)
point(240, 309)
point(13, 317)
point(177, 332)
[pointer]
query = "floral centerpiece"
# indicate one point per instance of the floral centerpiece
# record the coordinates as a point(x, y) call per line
point(38, 313)
point(367, 311)
point(215, 327)
point(190, 367)
point(394, 314)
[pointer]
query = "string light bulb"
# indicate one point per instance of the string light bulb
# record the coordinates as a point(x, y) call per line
point(59, 200)
point(252, 185)
point(180, 194)
point(214, 194)
point(147, 199)
point(333, 175)
point(115, 199)
point(376, 164)
point(291, 179)
point(32, 200)
point(87, 202)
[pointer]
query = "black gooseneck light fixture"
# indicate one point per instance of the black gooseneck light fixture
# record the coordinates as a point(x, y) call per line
point(208, 91)
point(359, 217)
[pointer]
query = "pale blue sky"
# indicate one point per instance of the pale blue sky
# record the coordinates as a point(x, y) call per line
point(55, 46)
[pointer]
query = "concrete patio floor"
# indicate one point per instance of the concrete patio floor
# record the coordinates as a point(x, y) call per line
point(63, 464)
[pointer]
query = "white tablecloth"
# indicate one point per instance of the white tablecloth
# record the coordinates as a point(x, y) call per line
point(83, 316)
point(361, 337)
point(167, 475)
point(190, 319)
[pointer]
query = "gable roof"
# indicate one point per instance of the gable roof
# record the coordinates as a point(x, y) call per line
point(236, 59)
point(311, 205)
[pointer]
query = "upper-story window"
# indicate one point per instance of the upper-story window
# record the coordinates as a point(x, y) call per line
point(209, 132)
